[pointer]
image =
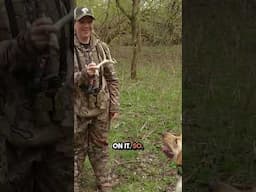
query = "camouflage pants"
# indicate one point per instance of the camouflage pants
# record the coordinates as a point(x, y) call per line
point(91, 140)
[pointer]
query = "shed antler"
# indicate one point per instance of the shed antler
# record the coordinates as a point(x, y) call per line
point(104, 59)
point(105, 62)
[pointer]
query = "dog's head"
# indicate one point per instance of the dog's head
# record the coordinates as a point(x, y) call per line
point(173, 147)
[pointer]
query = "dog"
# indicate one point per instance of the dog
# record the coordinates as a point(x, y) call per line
point(172, 147)
point(218, 186)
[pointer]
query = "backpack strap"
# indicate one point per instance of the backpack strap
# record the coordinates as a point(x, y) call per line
point(78, 59)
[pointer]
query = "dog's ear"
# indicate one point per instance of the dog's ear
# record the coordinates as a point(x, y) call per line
point(179, 158)
point(178, 141)
point(175, 144)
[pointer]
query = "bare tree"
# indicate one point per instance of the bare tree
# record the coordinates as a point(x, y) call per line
point(134, 22)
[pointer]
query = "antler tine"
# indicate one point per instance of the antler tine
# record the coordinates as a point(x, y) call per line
point(104, 62)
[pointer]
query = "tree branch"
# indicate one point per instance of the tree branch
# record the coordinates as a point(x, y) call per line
point(107, 12)
point(122, 10)
point(136, 7)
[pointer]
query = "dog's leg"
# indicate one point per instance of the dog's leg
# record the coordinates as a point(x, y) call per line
point(179, 185)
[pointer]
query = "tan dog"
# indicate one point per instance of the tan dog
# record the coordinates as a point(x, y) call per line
point(223, 187)
point(173, 149)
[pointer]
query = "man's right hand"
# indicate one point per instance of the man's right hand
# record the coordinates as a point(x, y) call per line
point(40, 32)
point(91, 69)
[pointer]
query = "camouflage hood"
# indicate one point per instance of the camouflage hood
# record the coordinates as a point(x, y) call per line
point(93, 41)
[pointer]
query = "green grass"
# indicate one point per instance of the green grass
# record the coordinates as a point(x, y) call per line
point(150, 105)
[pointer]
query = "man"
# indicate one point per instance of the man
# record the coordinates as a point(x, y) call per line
point(36, 113)
point(96, 100)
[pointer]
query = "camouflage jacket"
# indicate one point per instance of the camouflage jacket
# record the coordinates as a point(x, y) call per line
point(107, 81)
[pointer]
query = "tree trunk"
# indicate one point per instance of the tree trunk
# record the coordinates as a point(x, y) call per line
point(135, 48)
point(135, 37)
point(133, 17)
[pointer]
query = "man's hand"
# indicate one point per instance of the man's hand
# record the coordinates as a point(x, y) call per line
point(40, 33)
point(113, 115)
point(91, 69)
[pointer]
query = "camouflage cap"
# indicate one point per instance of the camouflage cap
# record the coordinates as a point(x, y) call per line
point(81, 12)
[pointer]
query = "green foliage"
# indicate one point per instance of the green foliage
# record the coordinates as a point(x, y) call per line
point(160, 21)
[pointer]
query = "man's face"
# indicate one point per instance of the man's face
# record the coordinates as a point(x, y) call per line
point(84, 26)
